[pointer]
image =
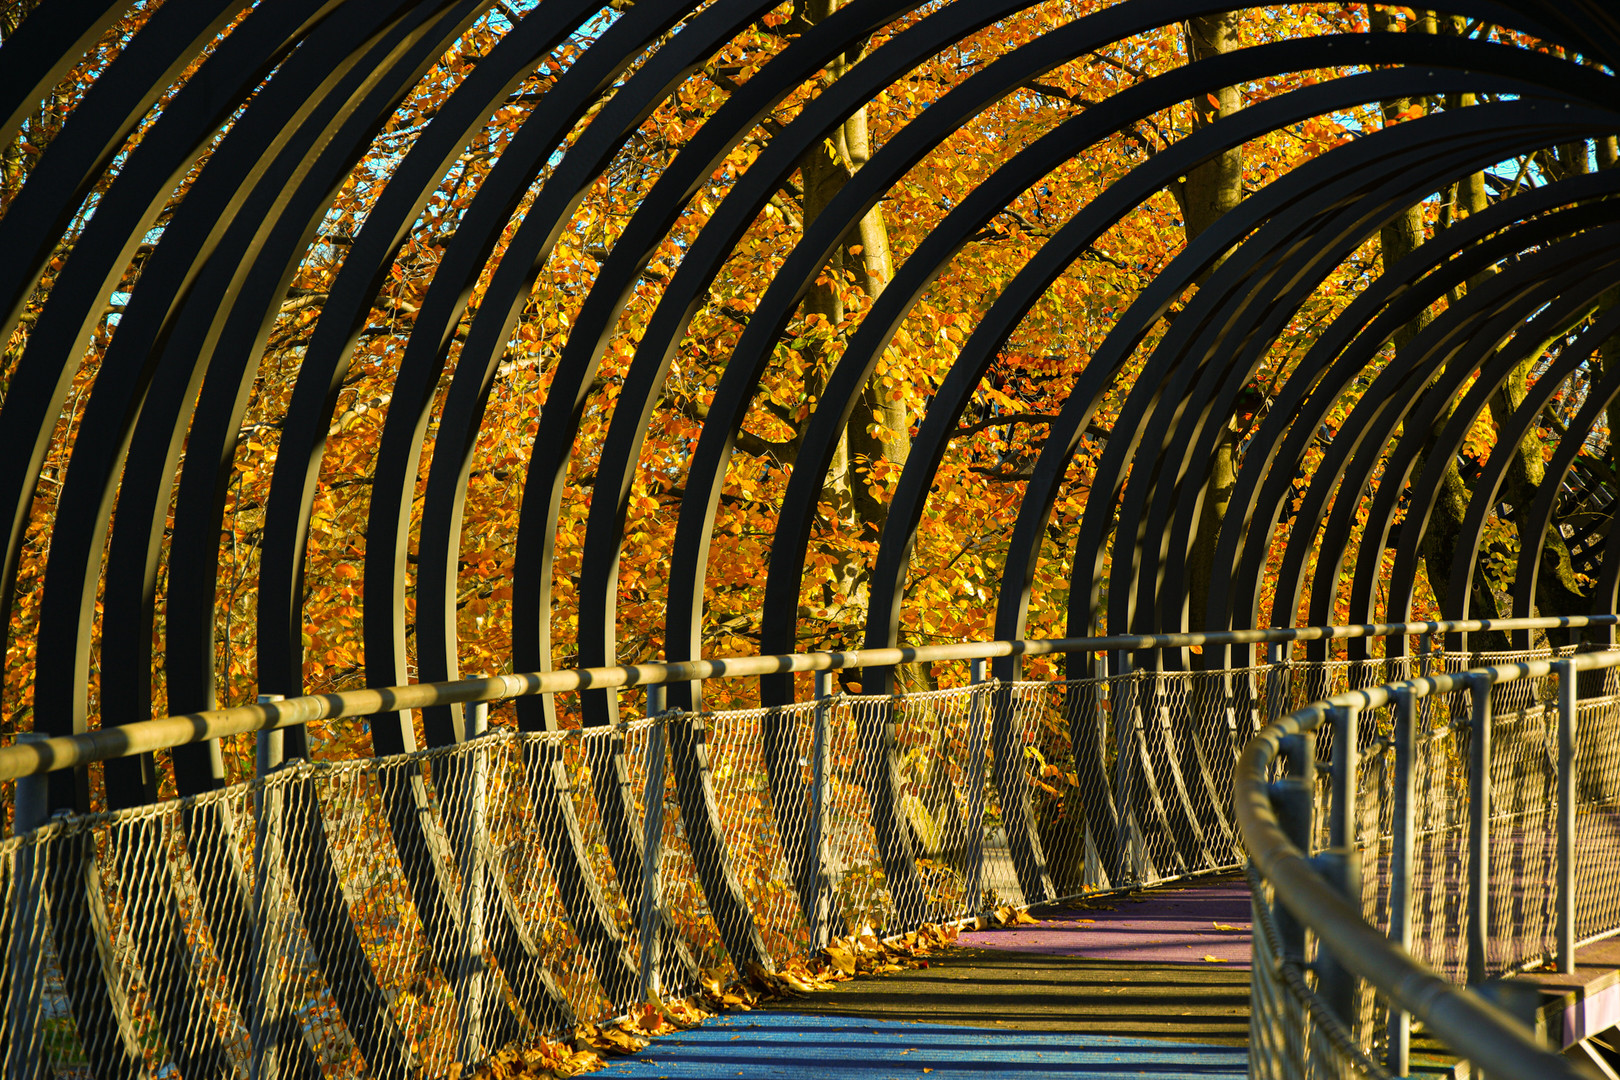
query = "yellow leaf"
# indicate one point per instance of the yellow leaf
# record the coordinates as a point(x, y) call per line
point(841, 958)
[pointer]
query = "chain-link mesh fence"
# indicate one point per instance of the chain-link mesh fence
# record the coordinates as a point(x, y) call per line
point(1523, 766)
point(1597, 804)
point(439, 900)
point(1437, 909)
point(417, 911)
point(1292, 1034)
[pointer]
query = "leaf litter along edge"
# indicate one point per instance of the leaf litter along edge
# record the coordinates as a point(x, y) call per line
point(842, 960)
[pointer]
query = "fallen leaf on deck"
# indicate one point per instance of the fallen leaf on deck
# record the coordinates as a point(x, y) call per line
point(614, 1040)
point(841, 958)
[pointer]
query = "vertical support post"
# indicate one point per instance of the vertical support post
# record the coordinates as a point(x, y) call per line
point(473, 781)
point(1426, 653)
point(977, 779)
point(1340, 862)
point(1294, 797)
point(25, 950)
point(1479, 826)
point(30, 800)
point(1398, 1059)
point(264, 1029)
point(1103, 702)
point(652, 844)
point(269, 747)
point(1565, 889)
point(1346, 762)
point(820, 751)
point(1276, 680)
point(1125, 720)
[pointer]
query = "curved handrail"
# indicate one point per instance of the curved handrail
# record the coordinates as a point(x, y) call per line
point(1460, 1017)
point(69, 751)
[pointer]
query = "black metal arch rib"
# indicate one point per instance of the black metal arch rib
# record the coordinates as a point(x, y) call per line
point(988, 337)
point(290, 99)
point(1387, 304)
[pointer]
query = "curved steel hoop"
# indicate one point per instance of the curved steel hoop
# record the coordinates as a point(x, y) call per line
point(154, 245)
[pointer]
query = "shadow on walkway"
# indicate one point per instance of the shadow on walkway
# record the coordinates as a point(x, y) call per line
point(1117, 987)
point(776, 1045)
point(1037, 992)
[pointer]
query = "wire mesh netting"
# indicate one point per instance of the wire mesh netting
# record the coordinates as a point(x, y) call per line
point(428, 908)
point(1597, 803)
point(1292, 1035)
point(1521, 759)
point(421, 898)
point(751, 818)
point(1523, 764)
point(416, 911)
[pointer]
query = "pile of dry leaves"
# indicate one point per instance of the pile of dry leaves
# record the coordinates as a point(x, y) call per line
point(843, 959)
point(994, 918)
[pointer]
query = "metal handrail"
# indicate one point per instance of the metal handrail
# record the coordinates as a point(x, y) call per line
point(1459, 1016)
point(146, 736)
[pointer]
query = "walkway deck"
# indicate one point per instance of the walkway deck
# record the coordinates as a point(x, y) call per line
point(1120, 987)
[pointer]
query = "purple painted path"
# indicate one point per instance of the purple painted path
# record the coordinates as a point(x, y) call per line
point(1166, 926)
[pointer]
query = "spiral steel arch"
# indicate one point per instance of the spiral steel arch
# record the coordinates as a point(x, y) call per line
point(294, 93)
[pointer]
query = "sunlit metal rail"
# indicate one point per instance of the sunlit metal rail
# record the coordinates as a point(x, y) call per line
point(1466, 828)
point(190, 933)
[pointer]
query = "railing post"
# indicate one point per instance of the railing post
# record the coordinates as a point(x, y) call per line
point(1398, 1059)
point(30, 800)
point(1565, 887)
point(1479, 826)
point(1294, 798)
point(652, 844)
point(30, 810)
point(976, 784)
point(1112, 702)
point(1276, 680)
point(269, 746)
point(820, 751)
point(473, 783)
point(1339, 862)
point(264, 1029)
point(1125, 720)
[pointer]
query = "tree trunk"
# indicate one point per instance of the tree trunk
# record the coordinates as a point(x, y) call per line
point(865, 253)
point(1210, 190)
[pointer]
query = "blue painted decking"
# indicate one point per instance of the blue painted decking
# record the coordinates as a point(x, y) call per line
point(769, 1045)
point(1147, 985)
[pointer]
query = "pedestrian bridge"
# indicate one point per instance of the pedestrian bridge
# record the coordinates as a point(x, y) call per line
point(351, 345)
